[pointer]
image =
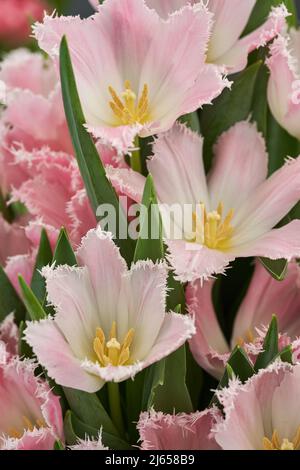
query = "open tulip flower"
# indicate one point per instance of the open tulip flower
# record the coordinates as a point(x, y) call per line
point(229, 214)
point(136, 73)
point(119, 325)
point(265, 297)
point(31, 417)
point(273, 424)
point(284, 82)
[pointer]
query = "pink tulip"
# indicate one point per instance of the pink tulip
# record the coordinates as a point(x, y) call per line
point(140, 73)
point(32, 89)
point(31, 417)
point(284, 83)
point(16, 17)
point(110, 323)
point(225, 46)
point(265, 297)
point(54, 173)
point(262, 414)
point(230, 213)
point(159, 431)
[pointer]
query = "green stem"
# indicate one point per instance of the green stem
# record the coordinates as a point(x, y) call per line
point(115, 406)
point(135, 159)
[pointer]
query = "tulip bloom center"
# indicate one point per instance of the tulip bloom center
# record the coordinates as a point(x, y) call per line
point(112, 352)
point(285, 444)
point(211, 229)
point(248, 338)
point(127, 108)
point(28, 425)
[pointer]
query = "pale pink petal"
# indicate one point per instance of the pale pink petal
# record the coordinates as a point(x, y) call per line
point(236, 58)
point(127, 182)
point(105, 267)
point(109, 156)
point(284, 82)
point(271, 201)
point(70, 291)
point(209, 341)
point(23, 265)
point(285, 410)
point(13, 240)
point(81, 215)
point(175, 331)
point(142, 305)
point(112, 373)
point(54, 353)
point(278, 243)
point(241, 164)
point(178, 432)
point(227, 28)
point(265, 297)
point(192, 261)
point(178, 154)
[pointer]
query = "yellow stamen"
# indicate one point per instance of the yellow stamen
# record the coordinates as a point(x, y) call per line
point(248, 338)
point(127, 108)
point(112, 352)
point(28, 426)
point(285, 444)
point(210, 229)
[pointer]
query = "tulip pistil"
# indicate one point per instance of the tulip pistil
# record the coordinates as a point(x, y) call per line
point(210, 229)
point(127, 108)
point(112, 352)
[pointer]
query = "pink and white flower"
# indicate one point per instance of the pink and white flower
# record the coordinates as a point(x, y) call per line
point(160, 431)
point(226, 46)
point(110, 323)
point(136, 73)
point(284, 82)
point(230, 213)
point(265, 297)
point(262, 414)
point(31, 417)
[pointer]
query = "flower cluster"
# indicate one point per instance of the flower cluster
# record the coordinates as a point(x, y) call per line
point(149, 226)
